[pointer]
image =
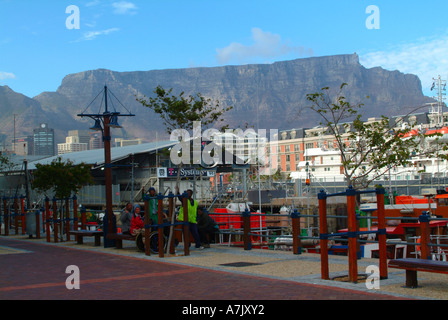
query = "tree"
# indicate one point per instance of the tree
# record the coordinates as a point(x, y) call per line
point(368, 149)
point(181, 112)
point(63, 178)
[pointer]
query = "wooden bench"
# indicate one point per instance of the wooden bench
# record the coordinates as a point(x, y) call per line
point(119, 237)
point(413, 265)
point(80, 234)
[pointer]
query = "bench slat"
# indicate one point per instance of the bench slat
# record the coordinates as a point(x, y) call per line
point(420, 265)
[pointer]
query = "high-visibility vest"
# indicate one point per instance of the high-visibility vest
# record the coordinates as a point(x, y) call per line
point(192, 212)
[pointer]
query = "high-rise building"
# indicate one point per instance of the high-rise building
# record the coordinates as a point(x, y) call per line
point(71, 144)
point(83, 135)
point(44, 141)
point(96, 140)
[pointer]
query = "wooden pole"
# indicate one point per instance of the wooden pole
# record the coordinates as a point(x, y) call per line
point(22, 213)
point(322, 197)
point(160, 218)
point(296, 242)
point(67, 219)
point(55, 222)
point(424, 235)
point(186, 225)
point(170, 214)
point(381, 232)
point(47, 219)
point(16, 216)
point(246, 229)
point(75, 214)
point(6, 220)
point(352, 235)
point(147, 230)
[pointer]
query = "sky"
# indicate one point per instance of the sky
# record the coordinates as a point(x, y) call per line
point(43, 41)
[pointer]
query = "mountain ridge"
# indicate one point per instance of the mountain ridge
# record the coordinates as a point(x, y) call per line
point(268, 96)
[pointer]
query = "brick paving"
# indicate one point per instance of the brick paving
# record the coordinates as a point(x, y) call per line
point(37, 271)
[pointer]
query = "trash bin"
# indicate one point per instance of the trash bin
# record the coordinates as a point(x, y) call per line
point(30, 220)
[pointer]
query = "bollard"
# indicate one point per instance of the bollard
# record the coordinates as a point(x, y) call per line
point(381, 232)
point(424, 235)
point(296, 241)
point(322, 197)
point(246, 228)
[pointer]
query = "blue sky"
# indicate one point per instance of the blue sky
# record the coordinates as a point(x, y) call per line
point(37, 49)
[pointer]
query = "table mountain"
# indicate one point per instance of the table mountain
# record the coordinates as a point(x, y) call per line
point(263, 95)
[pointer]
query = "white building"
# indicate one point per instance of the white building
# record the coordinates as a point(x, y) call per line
point(71, 144)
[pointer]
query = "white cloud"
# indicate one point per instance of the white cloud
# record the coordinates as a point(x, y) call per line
point(124, 7)
point(91, 35)
point(427, 58)
point(266, 45)
point(7, 75)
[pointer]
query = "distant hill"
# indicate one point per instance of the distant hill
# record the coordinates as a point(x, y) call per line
point(263, 95)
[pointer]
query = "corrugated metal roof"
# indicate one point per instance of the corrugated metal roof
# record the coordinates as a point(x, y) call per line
point(96, 157)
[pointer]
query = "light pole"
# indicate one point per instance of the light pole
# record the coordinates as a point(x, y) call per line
point(103, 122)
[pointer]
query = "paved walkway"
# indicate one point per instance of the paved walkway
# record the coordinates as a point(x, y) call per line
point(33, 269)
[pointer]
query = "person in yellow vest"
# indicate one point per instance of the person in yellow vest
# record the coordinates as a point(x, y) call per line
point(192, 212)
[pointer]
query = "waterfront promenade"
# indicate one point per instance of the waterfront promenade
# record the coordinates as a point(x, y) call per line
point(34, 269)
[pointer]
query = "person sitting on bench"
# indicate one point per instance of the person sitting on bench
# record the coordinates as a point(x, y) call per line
point(137, 225)
point(126, 218)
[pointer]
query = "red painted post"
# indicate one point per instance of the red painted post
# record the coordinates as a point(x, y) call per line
point(322, 196)
point(246, 230)
point(37, 224)
point(16, 216)
point(352, 236)
point(83, 218)
point(424, 236)
point(6, 220)
point(147, 230)
point(47, 218)
point(67, 219)
point(22, 213)
point(381, 232)
point(296, 242)
point(170, 215)
point(160, 218)
point(55, 223)
point(75, 214)
point(186, 226)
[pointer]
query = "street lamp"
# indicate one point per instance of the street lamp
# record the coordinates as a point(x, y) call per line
point(103, 122)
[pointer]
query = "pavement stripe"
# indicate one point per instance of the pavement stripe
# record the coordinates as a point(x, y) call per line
point(100, 280)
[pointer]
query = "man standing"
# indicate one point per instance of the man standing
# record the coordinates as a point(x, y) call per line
point(192, 212)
